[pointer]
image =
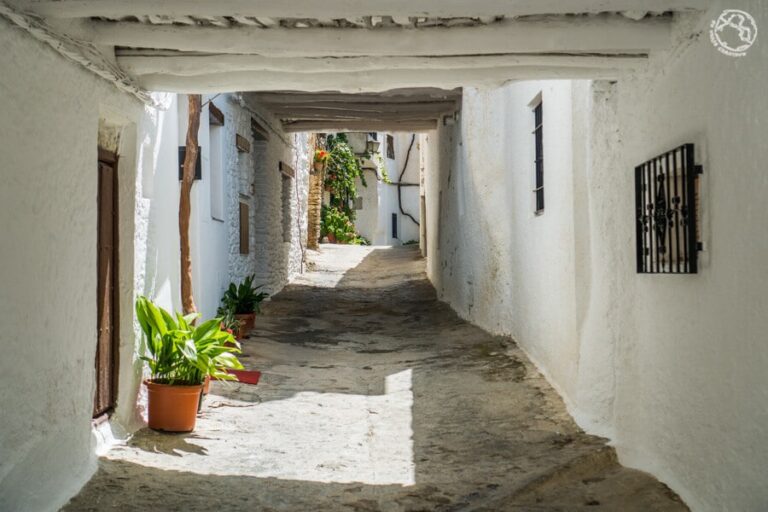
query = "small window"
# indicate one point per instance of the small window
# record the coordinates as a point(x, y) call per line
point(244, 235)
point(390, 147)
point(394, 225)
point(287, 217)
point(667, 206)
point(217, 172)
point(358, 203)
point(538, 134)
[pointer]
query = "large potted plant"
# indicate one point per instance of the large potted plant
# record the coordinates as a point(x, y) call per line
point(244, 300)
point(180, 357)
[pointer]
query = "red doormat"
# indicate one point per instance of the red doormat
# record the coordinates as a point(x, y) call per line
point(246, 376)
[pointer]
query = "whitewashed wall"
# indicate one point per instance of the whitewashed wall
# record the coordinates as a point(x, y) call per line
point(672, 368)
point(49, 132)
point(692, 400)
point(380, 199)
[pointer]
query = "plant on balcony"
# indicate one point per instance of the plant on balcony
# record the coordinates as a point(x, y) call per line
point(320, 159)
point(180, 357)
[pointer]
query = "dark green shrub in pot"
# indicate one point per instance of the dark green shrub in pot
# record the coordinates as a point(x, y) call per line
point(244, 301)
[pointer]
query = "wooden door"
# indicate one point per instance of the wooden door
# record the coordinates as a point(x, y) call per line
point(107, 342)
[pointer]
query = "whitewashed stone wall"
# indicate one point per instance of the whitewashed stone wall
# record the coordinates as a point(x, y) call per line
point(49, 131)
point(671, 368)
point(260, 184)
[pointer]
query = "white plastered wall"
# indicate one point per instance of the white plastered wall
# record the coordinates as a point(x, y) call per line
point(49, 133)
point(671, 368)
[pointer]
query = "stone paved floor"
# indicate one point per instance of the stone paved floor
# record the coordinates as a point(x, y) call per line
point(375, 397)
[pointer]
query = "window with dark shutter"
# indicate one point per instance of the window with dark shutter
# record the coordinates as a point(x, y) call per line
point(390, 147)
point(244, 234)
point(538, 133)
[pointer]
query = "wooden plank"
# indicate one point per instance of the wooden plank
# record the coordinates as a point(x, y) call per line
point(215, 116)
point(192, 64)
point(372, 81)
point(244, 228)
point(286, 169)
point(335, 9)
point(243, 145)
point(602, 34)
point(360, 126)
point(391, 96)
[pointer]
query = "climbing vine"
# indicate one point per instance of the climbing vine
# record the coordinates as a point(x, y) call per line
point(342, 168)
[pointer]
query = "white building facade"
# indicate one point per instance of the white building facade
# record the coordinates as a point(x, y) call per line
point(671, 368)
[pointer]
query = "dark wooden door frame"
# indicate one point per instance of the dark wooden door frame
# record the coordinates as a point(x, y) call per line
point(105, 396)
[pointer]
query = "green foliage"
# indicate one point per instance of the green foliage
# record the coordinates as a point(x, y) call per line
point(228, 320)
point(337, 223)
point(243, 298)
point(383, 174)
point(341, 170)
point(178, 353)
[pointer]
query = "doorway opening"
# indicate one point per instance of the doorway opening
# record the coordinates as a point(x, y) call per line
point(107, 345)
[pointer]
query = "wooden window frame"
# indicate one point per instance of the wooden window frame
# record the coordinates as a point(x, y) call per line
point(390, 147)
point(244, 221)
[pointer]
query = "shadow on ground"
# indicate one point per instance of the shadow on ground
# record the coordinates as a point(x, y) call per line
point(375, 397)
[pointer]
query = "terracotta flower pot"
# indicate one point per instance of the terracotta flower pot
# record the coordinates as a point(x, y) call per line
point(247, 321)
point(173, 408)
point(319, 167)
point(207, 385)
point(331, 238)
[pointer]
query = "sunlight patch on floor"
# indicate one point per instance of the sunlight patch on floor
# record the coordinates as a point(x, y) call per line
point(310, 436)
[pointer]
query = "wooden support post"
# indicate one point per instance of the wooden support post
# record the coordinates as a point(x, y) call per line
point(185, 206)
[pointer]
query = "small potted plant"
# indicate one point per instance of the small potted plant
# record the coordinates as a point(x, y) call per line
point(229, 323)
point(244, 300)
point(321, 158)
point(180, 357)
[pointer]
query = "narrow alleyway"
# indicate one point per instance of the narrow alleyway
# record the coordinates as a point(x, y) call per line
point(375, 396)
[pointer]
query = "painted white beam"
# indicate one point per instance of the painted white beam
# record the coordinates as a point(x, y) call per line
point(363, 108)
point(601, 34)
point(193, 64)
point(361, 126)
point(372, 81)
point(304, 115)
point(390, 97)
point(345, 8)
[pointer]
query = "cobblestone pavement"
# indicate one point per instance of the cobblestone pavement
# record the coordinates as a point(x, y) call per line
point(374, 397)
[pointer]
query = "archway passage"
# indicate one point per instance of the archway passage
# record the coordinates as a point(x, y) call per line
point(375, 396)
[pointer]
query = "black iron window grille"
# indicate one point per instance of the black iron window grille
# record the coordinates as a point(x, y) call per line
point(667, 204)
point(538, 133)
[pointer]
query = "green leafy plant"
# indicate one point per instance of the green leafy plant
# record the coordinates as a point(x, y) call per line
point(342, 168)
point(336, 222)
point(244, 298)
point(179, 353)
point(229, 322)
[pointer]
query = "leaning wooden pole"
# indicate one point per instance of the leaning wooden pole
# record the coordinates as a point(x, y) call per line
point(185, 206)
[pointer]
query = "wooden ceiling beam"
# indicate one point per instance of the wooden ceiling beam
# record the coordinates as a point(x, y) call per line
point(371, 81)
point(371, 108)
point(334, 9)
point(360, 126)
point(194, 64)
point(389, 97)
point(599, 34)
